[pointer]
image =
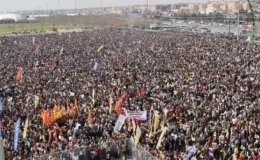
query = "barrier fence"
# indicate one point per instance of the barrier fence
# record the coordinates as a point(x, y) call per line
point(117, 150)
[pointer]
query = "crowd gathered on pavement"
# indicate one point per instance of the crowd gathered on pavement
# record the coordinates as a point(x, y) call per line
point(204, 87)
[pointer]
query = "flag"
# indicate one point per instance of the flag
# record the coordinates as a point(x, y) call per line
point(1, 127)
point(119, 123)
point(110, 104)
point(161, 138)
point(33, 40)
point(61, 51)
point(36, 101)
point(1, 104)
point(95, 68)
point(156, 122)
point(37, 49)
point(142, 91)
point(16, 134)
point(134, 126)
point(150, 117)
point(152, 48)
point(19, 74)
point(76, 105)
point(89, 116)
point(137, 135)
point(100, 48)
point(25, 129)
point(119, 103)
point(93, 96)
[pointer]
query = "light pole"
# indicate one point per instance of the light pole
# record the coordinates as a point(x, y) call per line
point(238, 19)
point(47, 6)
point(75, 6)
point(58, 5)
point(101, 7)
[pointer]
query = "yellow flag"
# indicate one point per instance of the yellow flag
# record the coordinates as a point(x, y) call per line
point(93, 96)
point(25, 129)
point(36, 101)
point(100, 48)
point(161, 138)
point(152, 48)
point(138, 135)
point(110, 104)
point(134, 126)
point(156, 121)
point(61, 51)
point(89, 116)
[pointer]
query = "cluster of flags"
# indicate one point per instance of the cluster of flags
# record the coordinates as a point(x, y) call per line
point(51, 116)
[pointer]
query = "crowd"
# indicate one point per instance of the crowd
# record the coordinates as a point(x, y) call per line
point(205, 89)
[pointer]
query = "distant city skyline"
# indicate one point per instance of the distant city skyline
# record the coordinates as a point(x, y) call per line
point(20, 5)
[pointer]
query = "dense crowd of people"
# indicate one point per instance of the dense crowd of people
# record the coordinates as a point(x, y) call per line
point(208, 84)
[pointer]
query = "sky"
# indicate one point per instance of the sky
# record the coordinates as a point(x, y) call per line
point(19, 5)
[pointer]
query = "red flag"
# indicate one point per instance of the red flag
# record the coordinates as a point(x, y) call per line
point(119, 103)
point(142, 91)
point(37, 49)
point(19, 74)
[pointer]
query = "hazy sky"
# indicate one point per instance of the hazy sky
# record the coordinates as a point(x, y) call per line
point(15, 5)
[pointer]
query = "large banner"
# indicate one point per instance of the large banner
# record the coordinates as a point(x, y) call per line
point(139, 115)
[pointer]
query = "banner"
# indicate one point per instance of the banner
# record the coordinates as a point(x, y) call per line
point(119, 123)
point(16, 134)
point(1, 104)
point(25, 129)
point(139, 115)
point(137, 135)
point(19, 74)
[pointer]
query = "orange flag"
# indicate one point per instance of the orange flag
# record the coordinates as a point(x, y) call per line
point(89, 116)
point(19, 74)
point(72, 111)
point(76, 107)
point(119, 103)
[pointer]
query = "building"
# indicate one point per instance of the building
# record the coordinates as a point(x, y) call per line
point(11, 17)
point(193, 7)
point(224, 8)
point(202, 6)
point(233, 7)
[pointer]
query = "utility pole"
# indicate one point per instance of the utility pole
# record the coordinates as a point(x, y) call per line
point(238, 19)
